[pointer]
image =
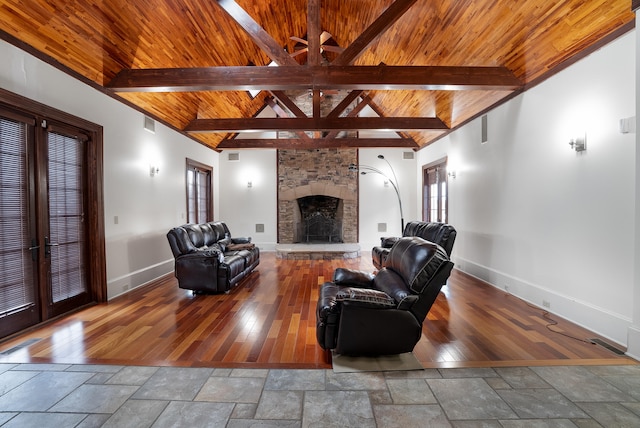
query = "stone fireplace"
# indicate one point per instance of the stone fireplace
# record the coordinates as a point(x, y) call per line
point(317, 196)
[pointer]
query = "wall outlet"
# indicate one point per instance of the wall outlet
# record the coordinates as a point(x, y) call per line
point(125, 287)
point(507, 288)
point(546, 303)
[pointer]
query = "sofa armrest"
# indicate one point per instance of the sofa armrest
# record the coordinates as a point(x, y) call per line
point(387, 242)
point(209, 253)
point(353, 278)
point(365, 297)
point(241, 240)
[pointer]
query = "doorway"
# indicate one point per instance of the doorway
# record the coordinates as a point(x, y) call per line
point(50, 215)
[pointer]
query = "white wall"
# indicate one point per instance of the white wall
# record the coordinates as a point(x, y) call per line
point(539, 218)
point(634, 331)
point(243, 207)
point(379, 204)
point(145, 207)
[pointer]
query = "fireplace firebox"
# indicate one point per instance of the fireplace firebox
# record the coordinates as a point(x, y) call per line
point(320, 219)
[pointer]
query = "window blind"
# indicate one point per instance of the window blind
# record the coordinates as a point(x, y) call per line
point(17, 290)
point(66, 216)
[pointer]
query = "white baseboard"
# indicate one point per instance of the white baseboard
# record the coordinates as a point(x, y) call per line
point(633, 347)
point(610, 325)
point(126, 283)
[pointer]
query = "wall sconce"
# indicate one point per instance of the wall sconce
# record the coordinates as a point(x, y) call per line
point(249, 184)
point(153, 170)
point(579, 144)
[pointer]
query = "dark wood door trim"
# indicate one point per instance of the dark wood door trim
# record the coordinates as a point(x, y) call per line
point(96, 265)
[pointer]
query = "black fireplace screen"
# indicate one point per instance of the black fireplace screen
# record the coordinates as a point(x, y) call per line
point(321, 219)
point(318, 228)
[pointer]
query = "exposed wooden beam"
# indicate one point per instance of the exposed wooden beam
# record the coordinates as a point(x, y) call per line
point(293, 143)
point(257, 33)
point(314, 124)
point(353, 113)
point(316, 103)
point(280, 112)
point(288, 103)
point(313, 32)
point(375, 30)
point(346, 101)
point(377, 110)
point(383, 77)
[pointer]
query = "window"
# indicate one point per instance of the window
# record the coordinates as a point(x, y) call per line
point(199, 192)
point(434, 197)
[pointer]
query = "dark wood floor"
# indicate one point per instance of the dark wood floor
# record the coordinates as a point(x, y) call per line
point(268, 321)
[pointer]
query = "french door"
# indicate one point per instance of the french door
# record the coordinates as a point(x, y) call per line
point(44, 232)
point(434, 195)
point(199, 193)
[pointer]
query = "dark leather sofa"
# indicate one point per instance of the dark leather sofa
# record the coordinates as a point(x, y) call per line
point(442, 234)
point(208, 259)
point(364, 314)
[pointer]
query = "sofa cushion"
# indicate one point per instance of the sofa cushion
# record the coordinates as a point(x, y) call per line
point(208, 235)
point(417, 261)
point(235, 264)
point(345, 276)
point(195, 234)
point(391, 284)
point(218, 230)
point(441, 233)
point(180, 242)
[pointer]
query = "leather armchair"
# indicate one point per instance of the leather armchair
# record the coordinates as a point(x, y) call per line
point(364, 314)
point(442, 234)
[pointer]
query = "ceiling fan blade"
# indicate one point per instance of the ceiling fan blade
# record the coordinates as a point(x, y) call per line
point(298, 52)
point(325, 36)
point(330, 48)
point(298, 39)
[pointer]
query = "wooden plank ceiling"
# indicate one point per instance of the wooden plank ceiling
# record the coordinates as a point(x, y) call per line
point(424, 67)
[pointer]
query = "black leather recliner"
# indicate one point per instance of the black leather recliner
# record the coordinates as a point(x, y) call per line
point(442, 234)
point(208, 259)
point(364, 314)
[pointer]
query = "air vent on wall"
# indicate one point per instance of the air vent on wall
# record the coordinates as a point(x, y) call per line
point(235, 156)
point(407, 155)
point(149, 124)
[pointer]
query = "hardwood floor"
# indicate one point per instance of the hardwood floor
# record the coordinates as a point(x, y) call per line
point(268, 321)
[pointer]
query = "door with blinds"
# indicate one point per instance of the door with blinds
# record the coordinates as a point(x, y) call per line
point(64, 231)
point(19, 297)
point(43, 232)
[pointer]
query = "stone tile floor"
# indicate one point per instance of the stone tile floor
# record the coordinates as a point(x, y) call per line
point(58, 395)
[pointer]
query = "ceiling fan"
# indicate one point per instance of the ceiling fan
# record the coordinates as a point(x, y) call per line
point(324, 37)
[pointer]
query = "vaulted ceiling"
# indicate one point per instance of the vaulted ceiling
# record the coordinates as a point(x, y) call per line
point(424, 67)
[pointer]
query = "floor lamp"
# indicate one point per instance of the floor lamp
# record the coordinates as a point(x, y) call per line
point(364, 169)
